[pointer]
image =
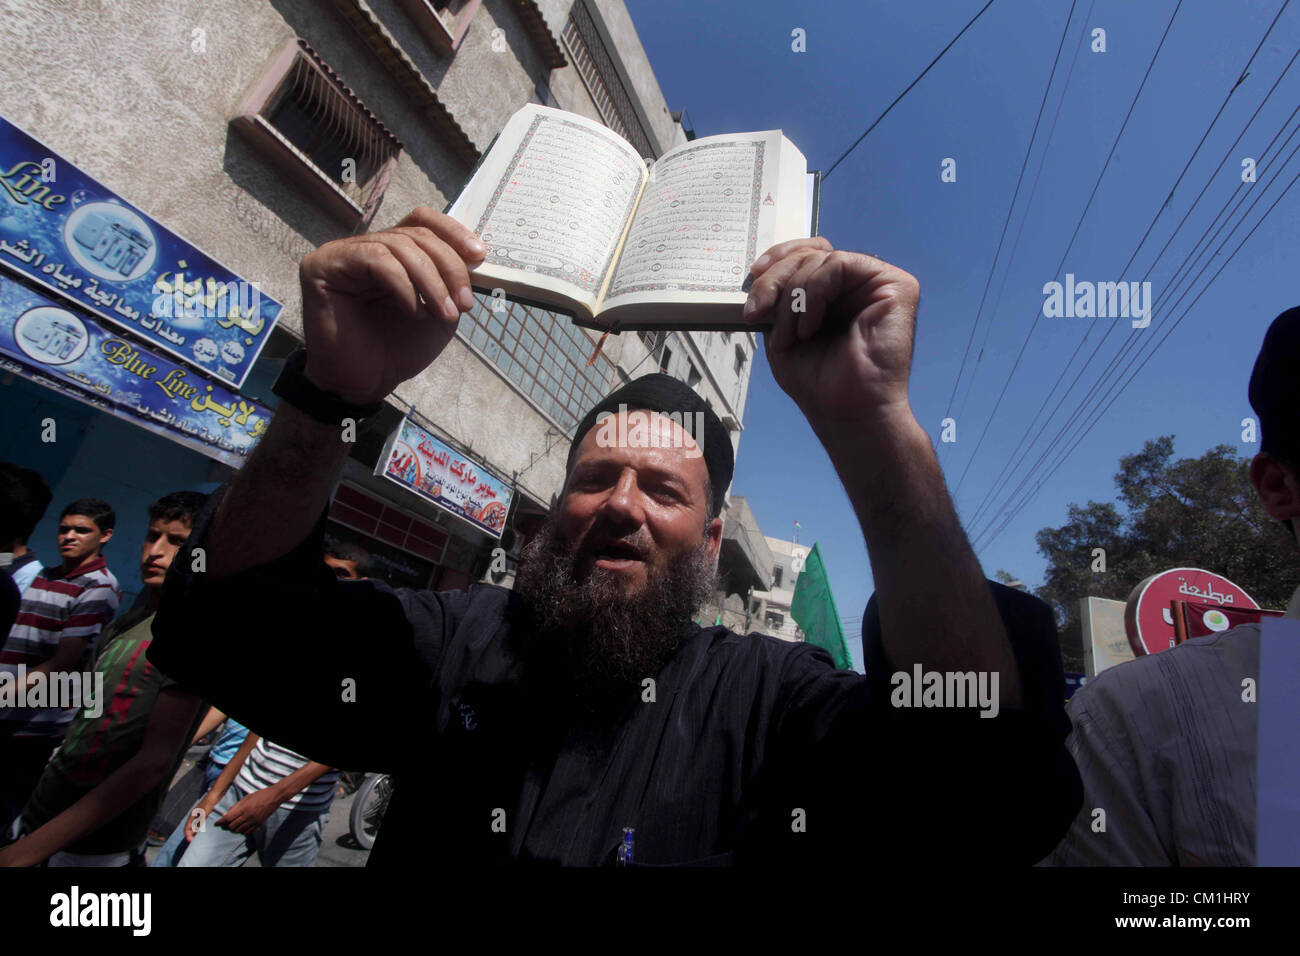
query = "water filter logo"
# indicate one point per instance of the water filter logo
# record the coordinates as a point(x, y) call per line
point(51, 336)
point(110, 241)
point(1216, 620)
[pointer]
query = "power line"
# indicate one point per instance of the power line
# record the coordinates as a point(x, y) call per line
point(1078, 416)
point(1129, 345)
point(998, 482)
point(1033, 191)
point(1171, 286)
point(1097, 417)
point(1014, 196)
point(1078, 226)
point(1081, 435)
point(876, 123)
point(1012, 460)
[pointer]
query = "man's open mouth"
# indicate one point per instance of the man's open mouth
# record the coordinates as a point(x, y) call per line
point(615, 554)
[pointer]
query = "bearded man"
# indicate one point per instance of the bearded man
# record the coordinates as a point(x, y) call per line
point(582, 718)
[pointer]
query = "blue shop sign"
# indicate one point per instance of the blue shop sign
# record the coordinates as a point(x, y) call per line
point(70, 352)
point(65, 231)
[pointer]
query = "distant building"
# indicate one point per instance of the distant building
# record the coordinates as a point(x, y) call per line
point(758, 575)
point(774, 603)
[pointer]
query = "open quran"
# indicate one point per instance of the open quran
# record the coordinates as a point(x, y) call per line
point(575, 220)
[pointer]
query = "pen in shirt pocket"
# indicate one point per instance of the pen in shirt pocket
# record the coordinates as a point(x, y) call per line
point(627, 847)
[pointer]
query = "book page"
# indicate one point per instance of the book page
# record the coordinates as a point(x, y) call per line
point(709, 210)
point(552, 201)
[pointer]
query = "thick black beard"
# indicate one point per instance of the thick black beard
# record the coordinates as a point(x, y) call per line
point(590, 643)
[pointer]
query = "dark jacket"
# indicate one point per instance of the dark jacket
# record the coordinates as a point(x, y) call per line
point(754, 750)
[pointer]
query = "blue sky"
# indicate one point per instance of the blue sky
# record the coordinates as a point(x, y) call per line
point(731, 67)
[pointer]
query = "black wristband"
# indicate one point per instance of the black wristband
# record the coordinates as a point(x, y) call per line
point(294, 387)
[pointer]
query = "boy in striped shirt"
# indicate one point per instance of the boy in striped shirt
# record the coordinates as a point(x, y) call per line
point(268, 800)
point(61, 615)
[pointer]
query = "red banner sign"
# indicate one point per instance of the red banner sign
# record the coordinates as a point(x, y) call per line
point(1203, 619)
point(1148, 620)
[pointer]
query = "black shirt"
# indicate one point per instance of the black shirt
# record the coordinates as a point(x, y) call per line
point(753, 750)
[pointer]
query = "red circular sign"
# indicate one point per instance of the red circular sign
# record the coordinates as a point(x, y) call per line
point(1147, 618)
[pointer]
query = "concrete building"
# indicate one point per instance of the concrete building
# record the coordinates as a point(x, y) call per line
point(261, 129)
point(759, 574)
point(774, 602)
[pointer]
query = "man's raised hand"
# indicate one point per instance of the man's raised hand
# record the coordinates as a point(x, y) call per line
point(842, 329)
point(378, 308)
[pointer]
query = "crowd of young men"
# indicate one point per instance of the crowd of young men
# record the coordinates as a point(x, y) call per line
point(86, 763)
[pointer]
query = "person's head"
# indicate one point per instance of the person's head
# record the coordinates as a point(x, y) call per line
point(637, 499)
point(85, 526)
point(630, 551)
point(348, 561)
point(1275, 396)
point(24, 496)
point(171, 518)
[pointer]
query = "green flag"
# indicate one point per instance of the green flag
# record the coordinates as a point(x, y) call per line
point(813, 609)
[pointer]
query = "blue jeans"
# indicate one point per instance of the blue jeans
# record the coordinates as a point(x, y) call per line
point(170, 853)
point(287, 838)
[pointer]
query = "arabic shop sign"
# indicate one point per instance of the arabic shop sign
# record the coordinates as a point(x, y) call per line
point(1148, 619)
point(72, 353)
point(70, 234)
point(419, 462)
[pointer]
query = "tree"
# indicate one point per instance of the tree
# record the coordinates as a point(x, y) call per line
point(1198, 512)
point(1009, 579)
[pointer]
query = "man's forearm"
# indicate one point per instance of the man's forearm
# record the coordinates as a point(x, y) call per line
point(299, 780)
point(231, 770)
point(278, 495)
point(935, 604)
point(105, 803)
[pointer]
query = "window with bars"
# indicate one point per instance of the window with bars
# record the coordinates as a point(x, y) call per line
point(443, 22)
point(302, 115)
point(543, 353)
point(598, 72)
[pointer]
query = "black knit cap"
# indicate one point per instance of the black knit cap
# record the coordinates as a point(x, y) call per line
point(663, 393)
point(1275, 388)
